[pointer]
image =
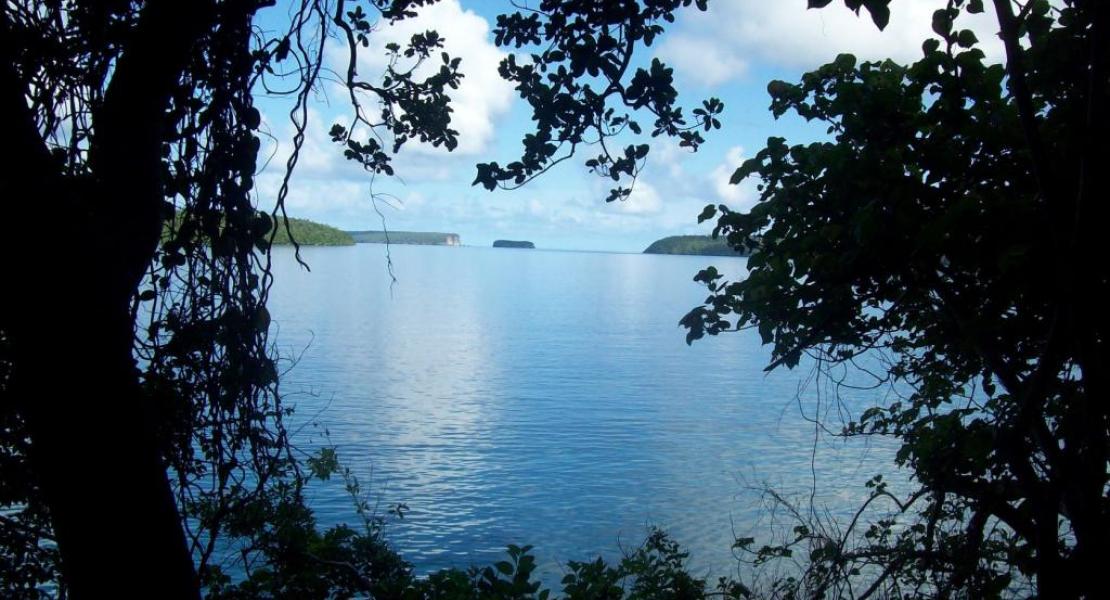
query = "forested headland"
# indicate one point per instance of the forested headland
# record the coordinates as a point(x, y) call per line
point(304, 232)
point(699, 245)
point(310, 233)
point(418, 238)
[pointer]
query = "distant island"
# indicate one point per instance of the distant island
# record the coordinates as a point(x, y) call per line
point(512, 244)
point(419, 238)
point(310, 233)
point(700, 245)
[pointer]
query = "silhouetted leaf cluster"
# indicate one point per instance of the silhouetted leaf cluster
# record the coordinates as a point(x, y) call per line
point(942, 235)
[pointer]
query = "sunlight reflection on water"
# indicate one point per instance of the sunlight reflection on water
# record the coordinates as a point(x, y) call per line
point(545, 398)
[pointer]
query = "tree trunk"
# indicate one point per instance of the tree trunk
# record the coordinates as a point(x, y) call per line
point(113, 512)
point(75, 381)
point(67, 313)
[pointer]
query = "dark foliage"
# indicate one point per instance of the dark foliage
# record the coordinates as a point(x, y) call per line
point(141, 417)
point(946, 231)
point(579, 66)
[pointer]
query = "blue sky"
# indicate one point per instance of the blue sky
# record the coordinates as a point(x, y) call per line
point(731, 52)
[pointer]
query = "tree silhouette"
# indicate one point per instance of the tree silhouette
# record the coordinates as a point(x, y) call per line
point(946, 231)
point(944, 224)
point(122, 117)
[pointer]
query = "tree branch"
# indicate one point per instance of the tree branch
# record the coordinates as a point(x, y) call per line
point(125, 154)
point(1019, 88)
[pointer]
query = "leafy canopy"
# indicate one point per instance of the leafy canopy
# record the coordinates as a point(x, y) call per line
point(941, 234)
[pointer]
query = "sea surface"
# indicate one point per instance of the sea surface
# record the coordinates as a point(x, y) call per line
point(510, 396)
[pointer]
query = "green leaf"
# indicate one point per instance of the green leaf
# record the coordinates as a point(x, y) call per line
point(737, 176)
point(880, 12)
point(966, 38)
point(942, 23)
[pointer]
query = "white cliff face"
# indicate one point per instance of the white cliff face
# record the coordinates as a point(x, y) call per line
point(453, 240)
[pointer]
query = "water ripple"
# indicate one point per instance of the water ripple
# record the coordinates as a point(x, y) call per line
point(543, 398)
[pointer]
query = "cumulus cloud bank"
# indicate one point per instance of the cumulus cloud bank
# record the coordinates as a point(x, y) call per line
point(740, 196)
point(433, 191)
point(481, 97)
point(720, 45)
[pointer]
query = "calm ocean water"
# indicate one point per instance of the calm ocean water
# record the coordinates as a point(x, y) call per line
point(547, 398)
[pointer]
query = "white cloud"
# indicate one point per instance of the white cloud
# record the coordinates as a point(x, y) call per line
point(740, 196)
point(319, 156)
point(721, 44)
point(482, 95)
point(667, 155)
point(643, 200)
point(706, 60)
